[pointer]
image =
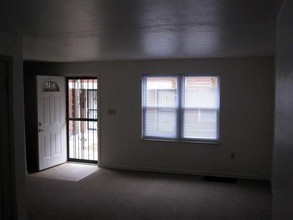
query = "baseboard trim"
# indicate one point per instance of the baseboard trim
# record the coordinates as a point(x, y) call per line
point(186, 172)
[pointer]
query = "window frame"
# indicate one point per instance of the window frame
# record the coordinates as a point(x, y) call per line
point(144, 89)
point(180, 109)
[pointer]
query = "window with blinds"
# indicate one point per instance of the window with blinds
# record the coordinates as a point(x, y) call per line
point(160, 107)
point(181, 107)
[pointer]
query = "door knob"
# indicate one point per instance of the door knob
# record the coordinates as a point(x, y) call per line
point(40, 130)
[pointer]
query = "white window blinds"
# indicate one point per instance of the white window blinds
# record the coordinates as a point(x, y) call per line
point(200, 107)
point(160, 107)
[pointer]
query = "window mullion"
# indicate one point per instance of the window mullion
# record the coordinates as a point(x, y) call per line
point(218, 108)
point(179, 108)
point(144, 105)
point(182, 107)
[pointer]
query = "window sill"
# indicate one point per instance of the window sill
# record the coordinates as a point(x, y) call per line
point(207, 142)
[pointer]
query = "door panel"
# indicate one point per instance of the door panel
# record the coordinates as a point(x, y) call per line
point(51, 121)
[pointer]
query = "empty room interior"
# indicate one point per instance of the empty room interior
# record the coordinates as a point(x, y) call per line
point(146, 109)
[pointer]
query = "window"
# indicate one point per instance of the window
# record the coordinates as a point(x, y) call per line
point(181, 108)
point(51, 86)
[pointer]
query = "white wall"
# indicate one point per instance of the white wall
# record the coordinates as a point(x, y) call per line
point(283, 141)
point(11, 45)
point(247, 91)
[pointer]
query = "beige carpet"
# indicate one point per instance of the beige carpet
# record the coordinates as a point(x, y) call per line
point(68, 171)
point(129, 195)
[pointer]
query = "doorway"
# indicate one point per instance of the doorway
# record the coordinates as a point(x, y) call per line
point(82, 119)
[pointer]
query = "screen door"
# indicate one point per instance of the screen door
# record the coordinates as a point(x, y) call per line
point(82, 120)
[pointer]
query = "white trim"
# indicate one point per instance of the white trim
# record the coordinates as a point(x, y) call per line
point(99, 84)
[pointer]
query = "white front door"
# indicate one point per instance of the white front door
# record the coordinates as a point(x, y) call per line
point(51, 121)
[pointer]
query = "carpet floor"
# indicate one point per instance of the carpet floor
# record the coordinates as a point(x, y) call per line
point(116, 194)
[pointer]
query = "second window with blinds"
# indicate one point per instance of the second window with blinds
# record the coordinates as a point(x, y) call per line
point(181, 108)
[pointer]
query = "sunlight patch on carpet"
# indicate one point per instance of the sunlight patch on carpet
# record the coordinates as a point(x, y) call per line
point(68, 171)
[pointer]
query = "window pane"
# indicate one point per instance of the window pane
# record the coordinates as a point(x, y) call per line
point(82, 94)
point(160, 107)
point(200, 123)
point(200, 92)
point(92, 99)
point(200, 107)
point(160, 123)
point(161, 91)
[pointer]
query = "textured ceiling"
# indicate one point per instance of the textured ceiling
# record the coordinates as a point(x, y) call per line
point(85, 30)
